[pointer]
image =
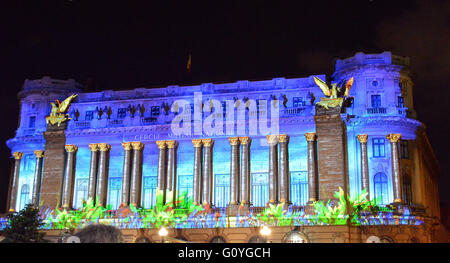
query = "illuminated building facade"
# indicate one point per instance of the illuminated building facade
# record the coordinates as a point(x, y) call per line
point(120, 146)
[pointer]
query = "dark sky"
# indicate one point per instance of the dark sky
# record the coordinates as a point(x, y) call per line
point(125, 45)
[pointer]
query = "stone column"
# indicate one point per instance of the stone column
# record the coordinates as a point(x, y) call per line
point(197, 170)
point(69, 176)
point(273, 168)
point(161, 179)
point(93, 171)
point(362, 138)
point(102, 174)
point(207, 171)
point(126, 175)
point(37, 177)
point(312, 173)
point(136, 174)
point(394, 139)
point(245, 171)
point(15, 181)
point(284, 180)
point(234, 171)
point(171, 184)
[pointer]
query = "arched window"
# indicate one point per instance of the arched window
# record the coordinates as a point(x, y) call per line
point(386, 239)
point(257, 239)
point(24, 196)
point(218, 239)
point(407, 193)
point(380, 186)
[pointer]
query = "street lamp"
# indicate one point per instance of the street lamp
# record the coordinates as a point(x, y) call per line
point(163, 233)
point(265, 232)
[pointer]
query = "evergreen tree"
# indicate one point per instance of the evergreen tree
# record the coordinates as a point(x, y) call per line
point(24, 226)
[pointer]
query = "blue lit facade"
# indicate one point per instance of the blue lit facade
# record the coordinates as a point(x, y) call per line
point(382, 105)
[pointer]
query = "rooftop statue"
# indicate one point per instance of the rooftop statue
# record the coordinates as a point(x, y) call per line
point(335, 95)
point(59, 111)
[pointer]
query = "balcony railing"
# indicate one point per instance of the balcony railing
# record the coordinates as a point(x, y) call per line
point(376, 111)
point(294, 111)
point(83, 124)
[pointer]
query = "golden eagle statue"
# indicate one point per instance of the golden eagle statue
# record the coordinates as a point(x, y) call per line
point(335, 95)
point(59, 111)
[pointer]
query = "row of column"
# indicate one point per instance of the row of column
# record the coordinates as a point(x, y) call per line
point(394, 139)
point(203, 181)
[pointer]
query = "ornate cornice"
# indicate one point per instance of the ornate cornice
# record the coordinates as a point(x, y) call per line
point(137, 146)
point(197, 142)
point(233, 140)
point(208, 142)
point(93, 147)
point(394, 137)
point(71, 148)
point(127, 146)
point(310, 136)
point(39, 153)
point(362, 138)
point(18, 155)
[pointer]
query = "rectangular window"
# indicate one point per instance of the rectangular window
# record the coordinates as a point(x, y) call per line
point(400, 102)
point(155, 110)
point(32, 122)
point(121, 113)
point(299, 188)
point(89, 115)
point(376, 101)
point(378, 147)
point(298, 102)
point(404, 151)
point(114, 190)
point(260, 189)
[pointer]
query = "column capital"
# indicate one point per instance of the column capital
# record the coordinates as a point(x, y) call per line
point(310, 136)
point(94, 147)
point(283, 138)
point(272, 139)
point(127, 146)
point(71, 148)
point(197, 143)
point(362, 138)
point(394, 137)
point(161, 144)
point(39, 153)
point(18, 155)
point(104, 147)
point(208, 142)
point(137, 146)
point(233, 140)
point(171, 144)
point(245, 140)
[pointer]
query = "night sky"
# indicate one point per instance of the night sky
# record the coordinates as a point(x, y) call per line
point(122, 45)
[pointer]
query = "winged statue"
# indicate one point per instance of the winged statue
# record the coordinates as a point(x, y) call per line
point(335, 94)
point(59, 111)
